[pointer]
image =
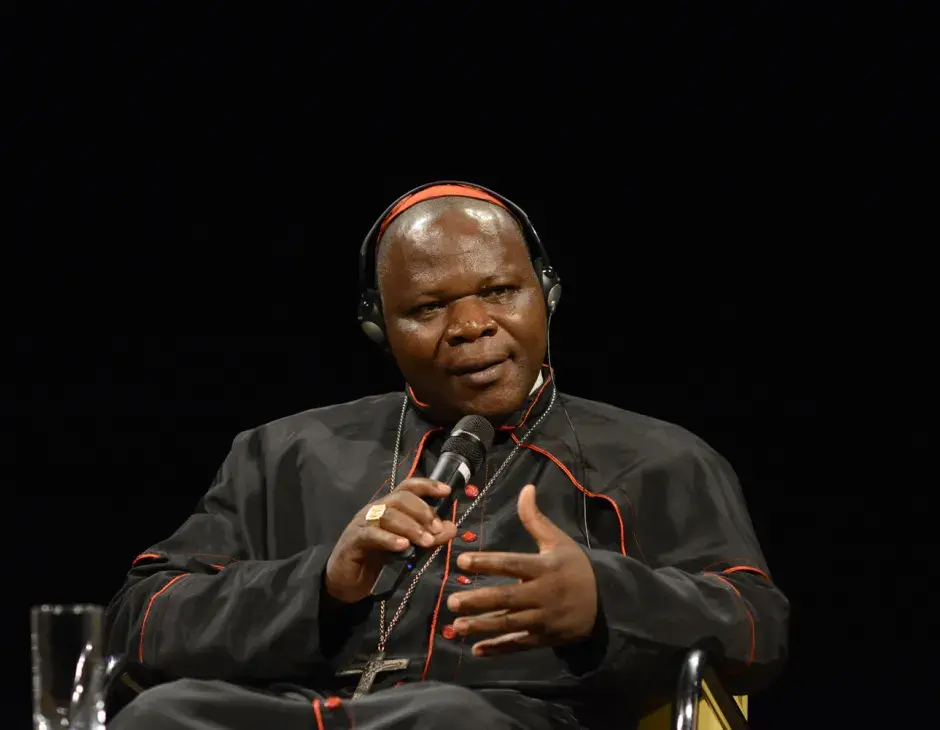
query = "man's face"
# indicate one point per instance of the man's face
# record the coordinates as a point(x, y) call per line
point(463, 310)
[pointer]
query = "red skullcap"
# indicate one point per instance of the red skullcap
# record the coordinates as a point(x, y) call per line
point(437, 191)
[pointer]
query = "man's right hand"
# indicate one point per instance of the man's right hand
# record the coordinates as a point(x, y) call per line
point(363, 549)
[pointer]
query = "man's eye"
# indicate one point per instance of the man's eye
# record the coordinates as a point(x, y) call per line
point(427, 308)
point(497, 291)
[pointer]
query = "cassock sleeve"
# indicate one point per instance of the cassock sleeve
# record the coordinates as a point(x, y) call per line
point(693, 577)
point(201, 604)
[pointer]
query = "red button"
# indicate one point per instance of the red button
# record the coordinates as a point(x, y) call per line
point(464, 580)
point(471, 491)
point(468, 536)
point(448, 632)
point(332, 703)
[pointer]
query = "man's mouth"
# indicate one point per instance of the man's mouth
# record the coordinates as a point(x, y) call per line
point(477, 365)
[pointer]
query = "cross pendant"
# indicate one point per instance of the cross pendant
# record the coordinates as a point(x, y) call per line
point(370, 670)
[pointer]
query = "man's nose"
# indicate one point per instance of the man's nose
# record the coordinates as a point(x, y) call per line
point(469, 321)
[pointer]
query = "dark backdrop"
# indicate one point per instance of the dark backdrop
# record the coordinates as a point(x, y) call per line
point(711, 184)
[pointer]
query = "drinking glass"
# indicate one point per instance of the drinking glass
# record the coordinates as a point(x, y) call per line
point(70, 670)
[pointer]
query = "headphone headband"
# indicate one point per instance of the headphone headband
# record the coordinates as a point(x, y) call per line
point(367, 273)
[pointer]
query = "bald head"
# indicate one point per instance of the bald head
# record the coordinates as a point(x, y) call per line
point(427, 220)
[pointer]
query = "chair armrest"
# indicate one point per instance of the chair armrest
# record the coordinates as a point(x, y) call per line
point(127, 680)
point(699, 683)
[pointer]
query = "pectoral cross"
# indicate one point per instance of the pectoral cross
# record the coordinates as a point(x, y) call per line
point(370, 670)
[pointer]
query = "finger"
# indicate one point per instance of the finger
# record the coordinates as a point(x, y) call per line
point(501, 622)
point(419, 509)
point(401, 523)
point(514, 565)
point(507, 644)
point(448, 532)
point(494, 598)
point(546, 533)
point(375, 538)
point(428, 488)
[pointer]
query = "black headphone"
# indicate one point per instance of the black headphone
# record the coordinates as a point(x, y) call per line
point(370, 305)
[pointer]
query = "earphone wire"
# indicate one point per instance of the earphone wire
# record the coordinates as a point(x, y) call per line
point(574, 432)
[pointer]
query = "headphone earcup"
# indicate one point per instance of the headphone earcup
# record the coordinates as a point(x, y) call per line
point(370, 318)
point(551, 285)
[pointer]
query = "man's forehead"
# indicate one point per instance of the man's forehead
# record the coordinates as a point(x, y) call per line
point(426, 263)
point(436, 236)
point(462, 259)
point(456, 244)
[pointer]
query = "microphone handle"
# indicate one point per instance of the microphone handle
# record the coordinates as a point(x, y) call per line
point(454, 471)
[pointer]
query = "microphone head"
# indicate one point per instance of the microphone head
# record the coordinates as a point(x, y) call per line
point(471, 438)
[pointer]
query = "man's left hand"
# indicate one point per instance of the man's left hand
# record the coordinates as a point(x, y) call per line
point(554, 603)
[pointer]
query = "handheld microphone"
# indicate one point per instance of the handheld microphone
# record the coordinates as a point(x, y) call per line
point(462, 454)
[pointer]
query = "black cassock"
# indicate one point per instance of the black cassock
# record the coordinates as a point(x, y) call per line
point(229, 617)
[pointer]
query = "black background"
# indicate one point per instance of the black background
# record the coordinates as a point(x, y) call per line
point(730, 194)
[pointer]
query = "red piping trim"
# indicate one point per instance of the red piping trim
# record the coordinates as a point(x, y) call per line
point(440, 597)
point(145, 556)
point(536, 400)
point(747, 569)
point(158, 556)
point(415, 398)
point(747, 610)
point(567, 473)
point(143, 624)
point(414, 464)
point(318, 714)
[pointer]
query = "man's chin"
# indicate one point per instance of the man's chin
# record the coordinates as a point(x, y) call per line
point(496, 403)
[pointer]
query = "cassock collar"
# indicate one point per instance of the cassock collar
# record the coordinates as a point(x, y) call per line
point(533, 406)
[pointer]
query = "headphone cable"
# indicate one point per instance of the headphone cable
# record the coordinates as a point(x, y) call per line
point(574, 432)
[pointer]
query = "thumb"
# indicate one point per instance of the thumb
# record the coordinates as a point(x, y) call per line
point(546, 533)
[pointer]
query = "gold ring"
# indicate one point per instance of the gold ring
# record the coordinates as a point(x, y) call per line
point(375, 514)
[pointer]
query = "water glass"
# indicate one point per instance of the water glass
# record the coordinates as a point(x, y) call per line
point(69, 667)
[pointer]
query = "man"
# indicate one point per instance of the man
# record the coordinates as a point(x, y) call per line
point(563, 604)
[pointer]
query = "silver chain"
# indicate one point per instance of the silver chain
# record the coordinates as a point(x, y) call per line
point(383, 632)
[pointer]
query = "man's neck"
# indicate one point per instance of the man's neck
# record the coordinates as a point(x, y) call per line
point(532, 391)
